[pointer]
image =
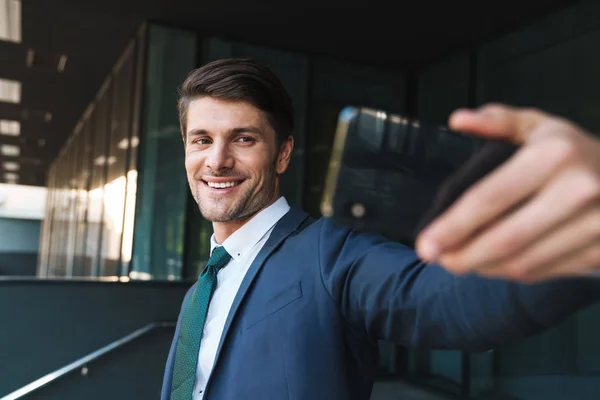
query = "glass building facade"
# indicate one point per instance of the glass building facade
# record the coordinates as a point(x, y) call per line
point(88, 229)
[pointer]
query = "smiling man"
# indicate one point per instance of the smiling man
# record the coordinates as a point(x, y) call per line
point(292, 308)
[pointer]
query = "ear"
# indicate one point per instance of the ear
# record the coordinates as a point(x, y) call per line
point(285, 154)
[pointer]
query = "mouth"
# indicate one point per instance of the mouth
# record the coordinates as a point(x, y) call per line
point(222, 186)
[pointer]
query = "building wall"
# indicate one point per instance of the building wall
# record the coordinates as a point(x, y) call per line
point(552, 64)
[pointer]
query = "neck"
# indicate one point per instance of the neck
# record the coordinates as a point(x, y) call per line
point(225, 229)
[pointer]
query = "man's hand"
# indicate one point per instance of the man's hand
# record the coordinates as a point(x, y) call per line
point(535, 217)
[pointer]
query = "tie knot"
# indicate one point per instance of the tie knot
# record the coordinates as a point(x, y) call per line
point(219, 258)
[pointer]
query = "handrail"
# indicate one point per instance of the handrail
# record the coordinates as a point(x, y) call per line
point(46, 379)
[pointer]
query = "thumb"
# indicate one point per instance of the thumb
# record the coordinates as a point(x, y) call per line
point(497, 121)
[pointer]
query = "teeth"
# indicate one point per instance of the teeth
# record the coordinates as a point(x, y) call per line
point(221, 185)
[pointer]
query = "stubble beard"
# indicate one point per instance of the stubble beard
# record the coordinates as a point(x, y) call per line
point(245, 205)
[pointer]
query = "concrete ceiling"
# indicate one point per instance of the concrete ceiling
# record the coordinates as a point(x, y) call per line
point(92, 34)
point(52, 101)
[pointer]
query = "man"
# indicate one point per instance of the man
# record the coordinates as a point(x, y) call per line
point(292, 308)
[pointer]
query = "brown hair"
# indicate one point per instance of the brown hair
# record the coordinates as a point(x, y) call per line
point(244, 80)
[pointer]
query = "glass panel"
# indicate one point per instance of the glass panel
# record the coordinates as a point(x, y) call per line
point(82, 177)
point(53, 234)
point(104, 121)
point(94, 179)
point(162, 195)
point(132, 173)
point(118, 153)
point(73, 156)
point(47, 225)
point(62, 211)
point(96, 194)
point(442, 88)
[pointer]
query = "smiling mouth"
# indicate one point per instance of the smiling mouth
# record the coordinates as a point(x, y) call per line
point(222, 185)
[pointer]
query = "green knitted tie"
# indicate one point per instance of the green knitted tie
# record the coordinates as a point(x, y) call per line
point(192, 327)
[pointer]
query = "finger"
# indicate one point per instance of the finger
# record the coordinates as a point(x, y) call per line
point(564, 198)
point(498, 121)
point(510, 184)
point(581, 262)
point(566, 239)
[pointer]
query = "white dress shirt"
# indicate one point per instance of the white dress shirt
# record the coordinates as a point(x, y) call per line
point(243, 246)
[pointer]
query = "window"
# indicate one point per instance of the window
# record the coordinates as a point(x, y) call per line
point(10, 150)
point(10, 91)
point(10, 166)
point(10, 20)
point(10, 128)
point(11, 176)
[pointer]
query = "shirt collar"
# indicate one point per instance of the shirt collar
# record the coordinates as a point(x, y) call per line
point(245, 238)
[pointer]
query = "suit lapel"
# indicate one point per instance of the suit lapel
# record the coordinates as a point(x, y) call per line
point(286, 226)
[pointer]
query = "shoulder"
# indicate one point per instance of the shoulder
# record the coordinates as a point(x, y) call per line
point(332, 237)
point(329, 239)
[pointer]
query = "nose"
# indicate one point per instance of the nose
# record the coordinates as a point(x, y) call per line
point(219, 157)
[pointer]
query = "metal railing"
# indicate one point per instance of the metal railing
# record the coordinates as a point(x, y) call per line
point(82, 362)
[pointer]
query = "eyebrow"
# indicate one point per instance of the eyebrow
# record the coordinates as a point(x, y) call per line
point(242, 129)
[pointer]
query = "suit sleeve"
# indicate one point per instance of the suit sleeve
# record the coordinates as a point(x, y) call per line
point(384, 291)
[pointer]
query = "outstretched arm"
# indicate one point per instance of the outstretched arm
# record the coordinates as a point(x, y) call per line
point(385, 291)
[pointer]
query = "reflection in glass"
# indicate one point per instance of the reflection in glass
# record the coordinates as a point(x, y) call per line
point(88, 228)
point(119, 145)
point(162, 192)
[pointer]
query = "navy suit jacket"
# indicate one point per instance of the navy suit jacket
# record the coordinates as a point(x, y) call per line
point(307, 318)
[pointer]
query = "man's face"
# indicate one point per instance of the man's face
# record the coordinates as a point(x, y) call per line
point(231, 158)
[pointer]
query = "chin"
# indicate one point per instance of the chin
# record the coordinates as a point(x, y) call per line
point(217, 214)
point(229, 215)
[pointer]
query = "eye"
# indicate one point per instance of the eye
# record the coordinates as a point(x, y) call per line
point(246, 139)
point(201, 141)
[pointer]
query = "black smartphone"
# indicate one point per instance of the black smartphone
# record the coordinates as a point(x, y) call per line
point(392, 175)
